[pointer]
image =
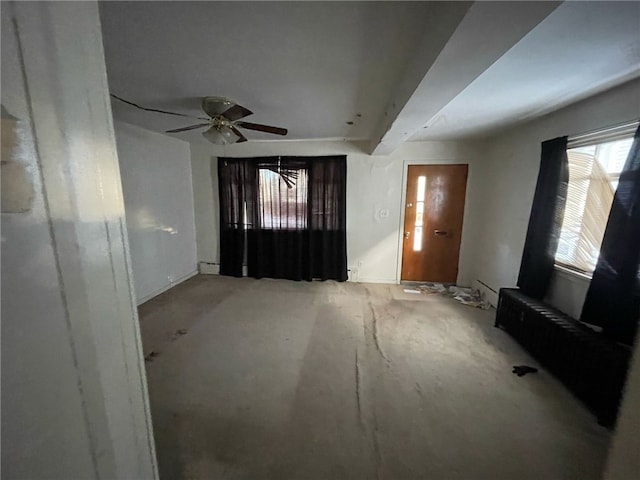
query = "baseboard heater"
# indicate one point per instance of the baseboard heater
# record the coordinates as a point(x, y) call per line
point(591, 366)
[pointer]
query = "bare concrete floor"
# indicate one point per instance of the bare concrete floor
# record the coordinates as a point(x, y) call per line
point(285, 380)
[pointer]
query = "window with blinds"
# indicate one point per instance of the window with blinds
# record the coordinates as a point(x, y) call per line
point(282, 198)
point(594, 171)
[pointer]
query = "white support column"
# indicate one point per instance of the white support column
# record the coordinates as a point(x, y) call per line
point(74, 398)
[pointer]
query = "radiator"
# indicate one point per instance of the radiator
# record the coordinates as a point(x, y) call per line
point(591, 366)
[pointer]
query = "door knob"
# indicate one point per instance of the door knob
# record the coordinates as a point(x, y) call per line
point(406, 234)
point(440, 232)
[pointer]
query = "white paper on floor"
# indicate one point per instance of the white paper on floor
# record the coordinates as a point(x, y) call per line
point(411, 290)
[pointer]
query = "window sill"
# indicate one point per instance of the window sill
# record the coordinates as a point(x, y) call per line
point(572, 274)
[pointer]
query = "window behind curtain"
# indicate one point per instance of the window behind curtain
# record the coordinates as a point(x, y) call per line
point(594, 171)
point(283, 217)
point(282, 198)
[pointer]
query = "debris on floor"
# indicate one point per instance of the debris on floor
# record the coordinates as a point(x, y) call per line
point(152, 354)
point(521, 370)
point(430, 288)
point(464, 295)
point(179, 333)
point(469, 296)
point(412, 290)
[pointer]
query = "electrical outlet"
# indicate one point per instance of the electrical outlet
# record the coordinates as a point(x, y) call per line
point(353, 273)
point(384, 213)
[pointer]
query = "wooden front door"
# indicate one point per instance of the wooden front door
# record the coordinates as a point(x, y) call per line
point(434, 207)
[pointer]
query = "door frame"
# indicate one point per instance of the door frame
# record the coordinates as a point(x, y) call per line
point(403, 199)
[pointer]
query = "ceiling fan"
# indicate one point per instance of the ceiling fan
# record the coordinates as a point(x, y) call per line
point(222, 123)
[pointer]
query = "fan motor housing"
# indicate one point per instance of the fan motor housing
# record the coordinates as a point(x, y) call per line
point(216, 105)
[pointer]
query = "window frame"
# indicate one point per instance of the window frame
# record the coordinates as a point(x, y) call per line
point(623, 131)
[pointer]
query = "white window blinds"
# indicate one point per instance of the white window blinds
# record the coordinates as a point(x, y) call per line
point(594, 171)
point(282, 198)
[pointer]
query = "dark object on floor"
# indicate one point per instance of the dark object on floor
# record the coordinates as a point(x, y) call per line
point(591, 366)
point(179, 333)
point(521, 370)
point(151, 356)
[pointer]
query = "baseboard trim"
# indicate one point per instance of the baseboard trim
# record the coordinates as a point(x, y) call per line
point(163, 289)
point(374, 280)
point(209, 268)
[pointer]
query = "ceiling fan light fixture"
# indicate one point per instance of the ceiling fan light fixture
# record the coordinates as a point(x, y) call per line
point(215, 136)
point(228, 134)
point(221, 135)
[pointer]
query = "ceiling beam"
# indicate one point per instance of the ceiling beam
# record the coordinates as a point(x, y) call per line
point(483, 34)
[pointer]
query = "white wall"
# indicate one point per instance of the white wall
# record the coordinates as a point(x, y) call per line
point(374, 183)
point(158, 199)
point(500, 209)
point(205, 198)
point(74, 400)
point(568, 291)
point(501, 205)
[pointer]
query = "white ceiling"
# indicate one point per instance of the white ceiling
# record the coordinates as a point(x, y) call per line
point(581, 49)
point(391, 68)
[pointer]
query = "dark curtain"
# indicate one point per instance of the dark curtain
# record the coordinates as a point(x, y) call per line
point(238, 184)
point(613, 298)
point(545, 222)
point(328, 217)
point(295, 210)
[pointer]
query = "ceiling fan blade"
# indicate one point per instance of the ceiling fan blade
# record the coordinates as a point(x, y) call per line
point(241, 137)
point(190, 127)
point(236, 113)
point(263, 128)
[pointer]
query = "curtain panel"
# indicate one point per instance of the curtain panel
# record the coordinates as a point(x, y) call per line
point(545, 222)
point(284, 216)
point(238, 198)
point(613, 298)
